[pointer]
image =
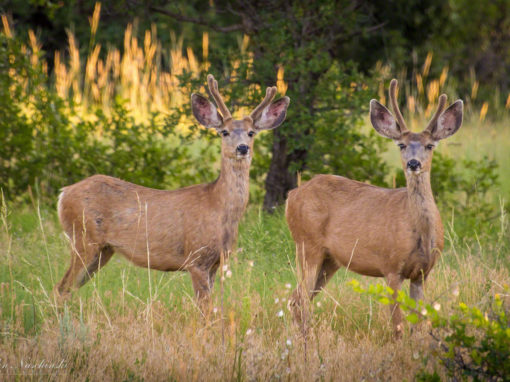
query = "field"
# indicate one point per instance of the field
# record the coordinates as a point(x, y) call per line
point(129, 324)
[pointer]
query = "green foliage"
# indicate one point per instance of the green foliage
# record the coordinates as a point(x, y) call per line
point(471, 343)
point(47, 144)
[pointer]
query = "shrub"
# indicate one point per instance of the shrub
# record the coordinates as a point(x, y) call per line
point(472, 344)
point(47, 143)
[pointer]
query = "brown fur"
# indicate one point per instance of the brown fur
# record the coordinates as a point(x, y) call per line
point(186, 229)
point(373, 231)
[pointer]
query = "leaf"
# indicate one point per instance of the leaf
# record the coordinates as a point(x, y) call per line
point(413, 318)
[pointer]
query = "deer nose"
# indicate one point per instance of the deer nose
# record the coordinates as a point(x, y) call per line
point(413, 165)
point(243, 149)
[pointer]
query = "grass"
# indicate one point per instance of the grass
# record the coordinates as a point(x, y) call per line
point(113, 329)
point(130, 324)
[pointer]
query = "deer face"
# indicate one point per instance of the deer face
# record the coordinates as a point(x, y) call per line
point(415, 148)
point(237, 135)
point(237, 139)
point(416, 152)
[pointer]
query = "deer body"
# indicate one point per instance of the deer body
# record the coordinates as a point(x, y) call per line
point(332, 211)
point(373, 231)
point(186, 229)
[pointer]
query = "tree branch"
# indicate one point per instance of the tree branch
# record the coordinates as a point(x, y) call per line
point(199, 21)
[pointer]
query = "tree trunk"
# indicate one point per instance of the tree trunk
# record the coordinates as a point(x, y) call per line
point(279, 180)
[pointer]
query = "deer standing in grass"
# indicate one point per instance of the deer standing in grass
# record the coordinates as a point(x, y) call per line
point(181, 230)
point(373, 231)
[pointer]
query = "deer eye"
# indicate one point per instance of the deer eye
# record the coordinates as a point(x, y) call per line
point(402, 146)
point(251, 133)
point(430, 147)
point(225, 133)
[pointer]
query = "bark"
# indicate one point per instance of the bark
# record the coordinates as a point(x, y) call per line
point(279, 179)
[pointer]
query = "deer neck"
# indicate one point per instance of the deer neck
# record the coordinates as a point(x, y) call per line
point(232, 188)
point(422, 207)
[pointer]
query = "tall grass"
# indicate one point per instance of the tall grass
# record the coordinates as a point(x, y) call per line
point(131, 324)
point(128, 323)
point(137, 73)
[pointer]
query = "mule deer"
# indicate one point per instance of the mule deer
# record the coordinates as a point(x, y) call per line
point(373, 231)
point(181, 230)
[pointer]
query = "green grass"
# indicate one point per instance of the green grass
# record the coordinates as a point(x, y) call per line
point(114, 311)
point(128, 323)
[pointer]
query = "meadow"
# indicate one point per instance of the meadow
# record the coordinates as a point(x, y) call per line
point(128, 323)
point(133, 324)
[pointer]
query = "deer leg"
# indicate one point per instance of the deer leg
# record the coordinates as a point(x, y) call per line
point(98, 261)
point(310, 260)
point(328, 269)
point(201, 285)
point(416, 292)
point(416, 289)
point(86, 259)
point(212, 274)
point(394, 282)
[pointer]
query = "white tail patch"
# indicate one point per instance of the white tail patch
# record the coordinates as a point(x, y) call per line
point(59, 204)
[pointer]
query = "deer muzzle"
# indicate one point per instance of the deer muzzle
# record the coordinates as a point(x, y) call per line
point(242, 150)
point(414, 165)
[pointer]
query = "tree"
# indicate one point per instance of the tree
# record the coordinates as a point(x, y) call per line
point(326, 49)
point(316, 43)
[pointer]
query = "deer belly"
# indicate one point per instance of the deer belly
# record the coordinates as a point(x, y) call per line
point(357, 259)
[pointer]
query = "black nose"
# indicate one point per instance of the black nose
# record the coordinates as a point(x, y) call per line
point(243, 149)
point(413, 165)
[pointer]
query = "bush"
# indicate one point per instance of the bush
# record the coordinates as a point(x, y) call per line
point(472, 344)
point(48, 144)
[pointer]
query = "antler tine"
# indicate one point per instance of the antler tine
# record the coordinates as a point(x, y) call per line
point(213, 88)
point(270, 93)
point(394, 105)
point(440, 108)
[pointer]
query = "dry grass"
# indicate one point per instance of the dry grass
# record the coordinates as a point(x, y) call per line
point(113, 330)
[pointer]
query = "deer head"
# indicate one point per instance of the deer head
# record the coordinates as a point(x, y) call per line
point(237, 135)
point(415, 148)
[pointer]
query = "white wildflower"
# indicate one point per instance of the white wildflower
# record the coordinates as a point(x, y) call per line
point(280, 313)
point(437, 306)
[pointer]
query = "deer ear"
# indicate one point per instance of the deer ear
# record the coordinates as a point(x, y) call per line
point(449, 122)
point(382, 121)
point(273, 115)
point(205, 112)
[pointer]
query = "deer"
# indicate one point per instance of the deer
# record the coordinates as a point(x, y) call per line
point(373, 231)
point(187, 229)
